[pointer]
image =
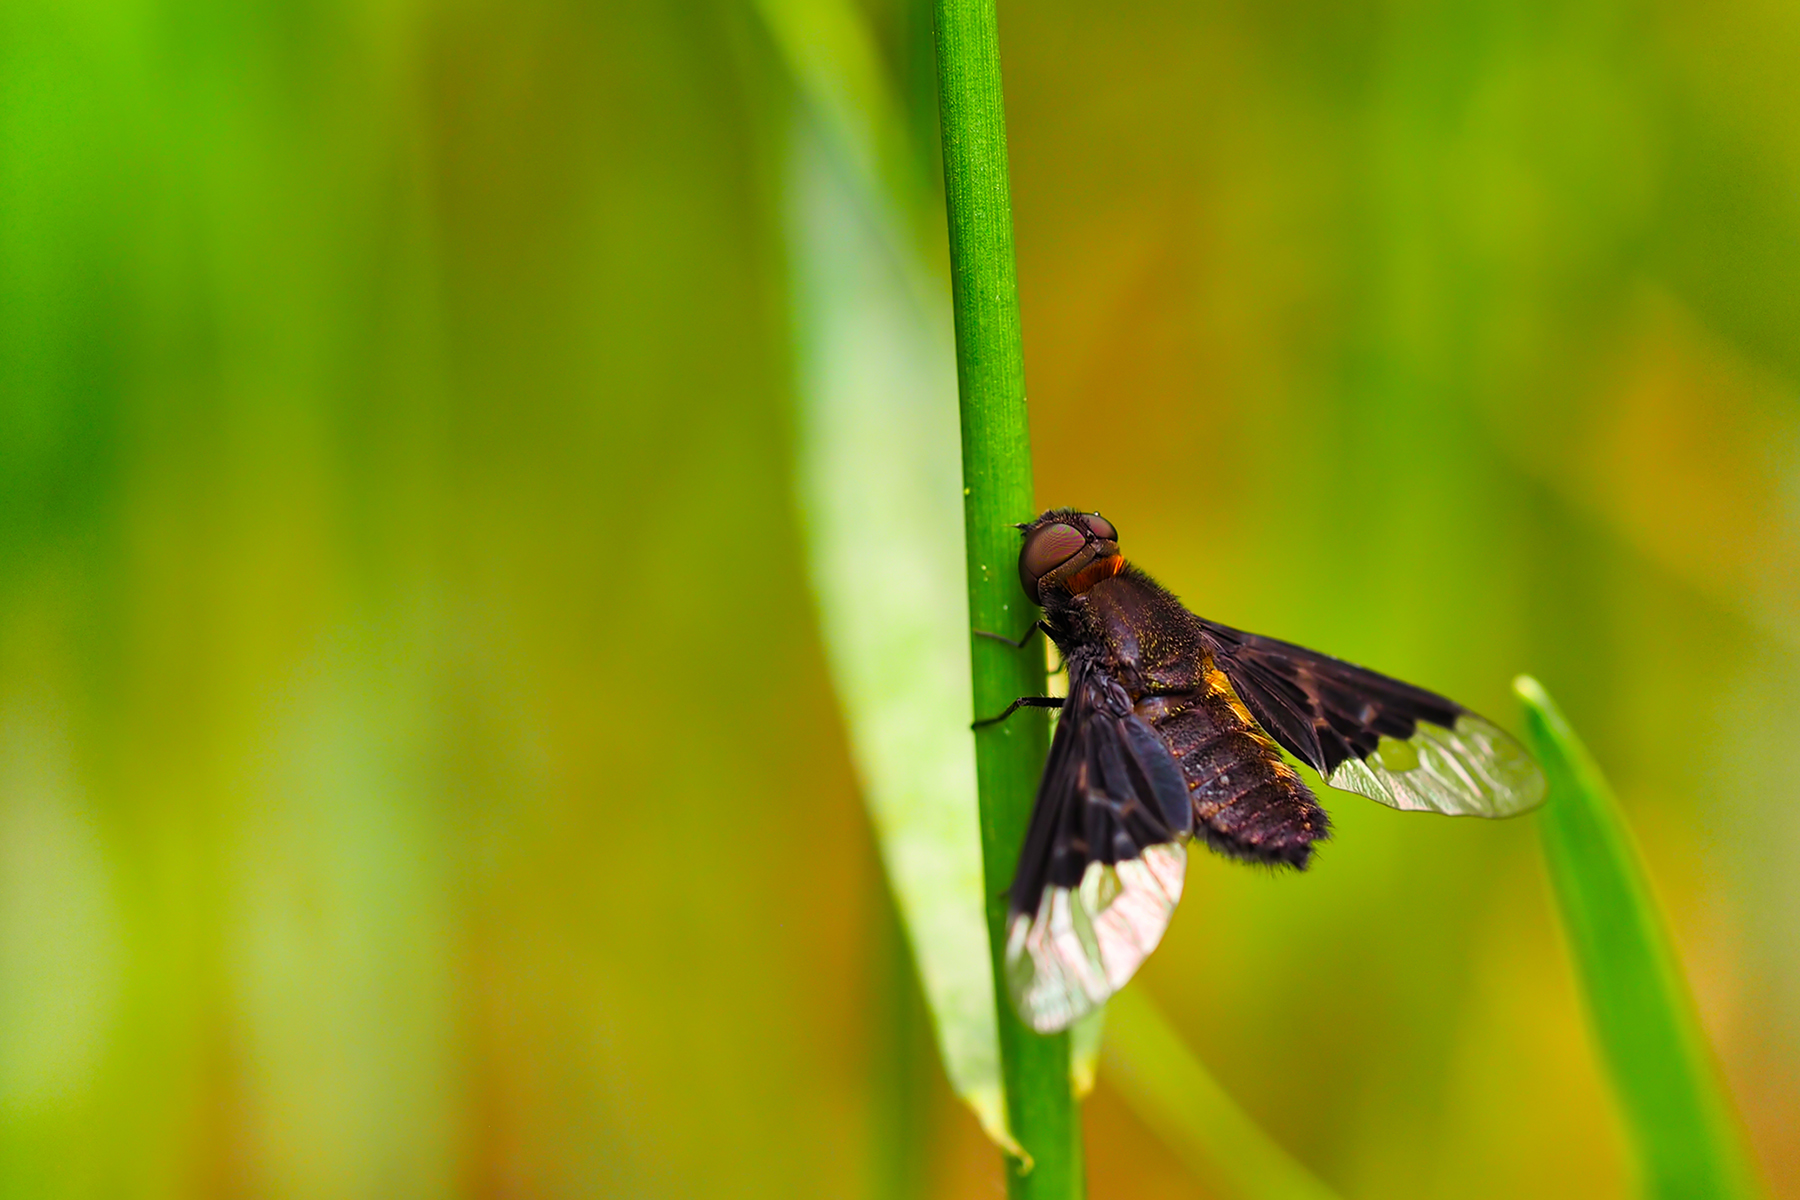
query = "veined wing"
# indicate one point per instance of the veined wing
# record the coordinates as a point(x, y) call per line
point(1367, 733)
point(1102, 865)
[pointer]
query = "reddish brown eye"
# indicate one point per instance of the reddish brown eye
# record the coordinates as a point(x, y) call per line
point(1101, 527)
point(1046, 549)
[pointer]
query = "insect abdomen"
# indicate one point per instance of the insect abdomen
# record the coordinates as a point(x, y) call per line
point(1248, 802)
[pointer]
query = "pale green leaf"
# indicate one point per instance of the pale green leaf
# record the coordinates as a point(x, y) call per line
point(879, 497)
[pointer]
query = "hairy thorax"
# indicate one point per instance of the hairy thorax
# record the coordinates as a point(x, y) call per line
point(1248, 801)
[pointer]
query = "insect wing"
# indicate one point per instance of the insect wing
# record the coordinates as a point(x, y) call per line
point(1101, 870)
point(1367, 733)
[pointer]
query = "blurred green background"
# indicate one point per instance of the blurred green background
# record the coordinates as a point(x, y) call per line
point(418, 771)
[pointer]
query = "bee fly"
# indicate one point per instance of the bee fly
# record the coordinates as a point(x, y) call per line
point(1173, 729)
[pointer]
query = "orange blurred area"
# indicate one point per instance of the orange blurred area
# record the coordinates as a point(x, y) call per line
point(418, 770)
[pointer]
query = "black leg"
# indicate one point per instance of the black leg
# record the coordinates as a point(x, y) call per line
point(1021, 702)
point(1018, 645)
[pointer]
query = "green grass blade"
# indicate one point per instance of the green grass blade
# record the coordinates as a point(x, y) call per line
point(1173, 1094)
point(1680, 1120)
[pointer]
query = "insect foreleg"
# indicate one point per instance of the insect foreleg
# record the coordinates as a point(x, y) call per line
point(1021, 702)
point(1036, 627)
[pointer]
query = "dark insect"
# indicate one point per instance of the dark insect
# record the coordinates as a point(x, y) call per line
point(1173, 728)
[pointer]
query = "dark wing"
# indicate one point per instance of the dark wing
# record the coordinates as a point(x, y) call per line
point(1366, 733)
point(1101, 870)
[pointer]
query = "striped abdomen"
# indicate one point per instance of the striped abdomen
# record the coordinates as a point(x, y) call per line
point(1248, 802)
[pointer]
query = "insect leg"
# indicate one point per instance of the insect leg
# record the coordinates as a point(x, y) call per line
point(1021, 702)
point(1036, 627)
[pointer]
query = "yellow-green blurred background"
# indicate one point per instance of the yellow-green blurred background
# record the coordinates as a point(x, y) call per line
point(418, 770)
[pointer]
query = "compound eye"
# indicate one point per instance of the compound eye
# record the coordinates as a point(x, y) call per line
point(1101, 527)
point(1045, 550)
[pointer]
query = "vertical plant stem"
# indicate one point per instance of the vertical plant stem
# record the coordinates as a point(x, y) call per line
point(996, 460)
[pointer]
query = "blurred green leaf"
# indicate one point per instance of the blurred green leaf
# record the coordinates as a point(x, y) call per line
point(1173, 1094)
point(1670, 1094)
point(830, 53)
point(879, 497)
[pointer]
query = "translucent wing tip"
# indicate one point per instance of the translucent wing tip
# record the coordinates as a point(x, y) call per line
point(1083, 943)
point(1473, 770)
